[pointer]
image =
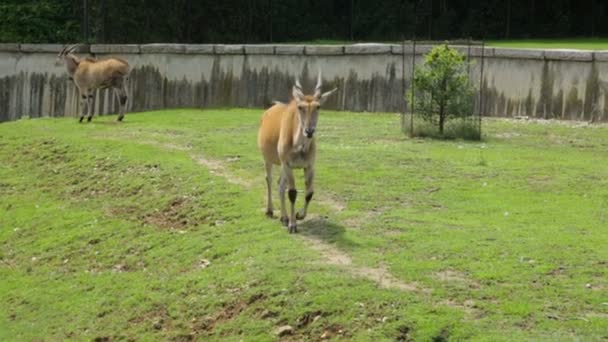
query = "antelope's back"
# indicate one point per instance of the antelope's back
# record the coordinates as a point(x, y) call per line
point(112, 67)
point(121, 65)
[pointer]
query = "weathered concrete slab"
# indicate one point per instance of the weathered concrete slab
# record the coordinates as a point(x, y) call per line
point(324, 50)
point(367, 49)
point(397, 49)
point(532, 83)
point(118, 48)
point(600, 56)
point(519, 53)
point(477, 51)
point(9, 47)
point(229, 49)
point(206, 49)
point(163, 48)
point(31, 48)
point(289, 49)
point(569, 55)
point(259, 49)
point(420, 49)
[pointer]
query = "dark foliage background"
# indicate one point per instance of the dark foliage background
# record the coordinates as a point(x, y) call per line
point(258, 21)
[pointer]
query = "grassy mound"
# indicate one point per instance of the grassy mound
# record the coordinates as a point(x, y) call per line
point(155, 229)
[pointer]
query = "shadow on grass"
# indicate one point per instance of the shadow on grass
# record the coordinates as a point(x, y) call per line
point(110, 122)
point(327, 231)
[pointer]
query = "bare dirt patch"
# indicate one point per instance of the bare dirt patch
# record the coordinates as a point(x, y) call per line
point(157, 318)
point(332, 201)
point(217, 167)
point(468, 306)
point(358, 221)
point(206, 325)
point(452, 276)
point(309, 318)
point(171, 217)
point(380, 275)
point(540, 182)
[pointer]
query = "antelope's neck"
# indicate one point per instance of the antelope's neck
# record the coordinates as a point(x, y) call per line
point(71, 64)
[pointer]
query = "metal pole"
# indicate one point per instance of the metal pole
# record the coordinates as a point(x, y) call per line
point(483, 50)
point(413, 88)
point(404, 108)
point(413, 68)
point(469, 58)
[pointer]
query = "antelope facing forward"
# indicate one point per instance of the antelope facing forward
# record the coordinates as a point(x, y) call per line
point(90, 74)
point(286, 138)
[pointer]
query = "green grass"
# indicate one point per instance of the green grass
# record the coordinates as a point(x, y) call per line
point(154, 230)
point(548, 43)
point(561, 43)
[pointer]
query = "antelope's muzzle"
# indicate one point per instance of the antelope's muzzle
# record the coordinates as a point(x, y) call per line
point(309, 132)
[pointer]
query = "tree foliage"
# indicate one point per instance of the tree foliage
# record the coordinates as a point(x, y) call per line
point(257, 21)
point(441, 88)
point(38, 21)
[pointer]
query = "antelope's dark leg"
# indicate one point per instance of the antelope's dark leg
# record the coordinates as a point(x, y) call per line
point(309, 176)
point(293, 194)
point(84, 96)
point(90, 107)
point(282, 188)
point(121, 92)
point(269, 209)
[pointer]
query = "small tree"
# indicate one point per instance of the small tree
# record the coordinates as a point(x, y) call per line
point(441, 87)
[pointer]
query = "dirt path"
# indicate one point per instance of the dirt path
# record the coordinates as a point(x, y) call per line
point(218, 168)
point(329, 253)
point(380, 275)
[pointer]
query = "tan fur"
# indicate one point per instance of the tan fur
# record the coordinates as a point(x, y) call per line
point(90, 74)
point(286, 138)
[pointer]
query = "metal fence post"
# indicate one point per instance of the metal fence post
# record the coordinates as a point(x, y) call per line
point(413, 88)
point(483, 49)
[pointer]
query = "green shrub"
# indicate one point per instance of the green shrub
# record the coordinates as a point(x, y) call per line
point(442, 91)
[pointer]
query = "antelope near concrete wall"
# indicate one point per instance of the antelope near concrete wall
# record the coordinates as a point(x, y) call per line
point(90, 74)
point(286, 138)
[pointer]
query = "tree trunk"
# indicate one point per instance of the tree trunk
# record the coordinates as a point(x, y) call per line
point(442, 113)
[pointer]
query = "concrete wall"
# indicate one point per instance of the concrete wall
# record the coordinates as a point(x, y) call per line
point(547, 84)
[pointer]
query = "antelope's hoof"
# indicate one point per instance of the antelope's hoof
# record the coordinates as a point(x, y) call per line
point(120, 118)
point(300, 215)
point(269, 213)
point(81, 118)
point(293, 228)
point(285, 221)
point(89, 119)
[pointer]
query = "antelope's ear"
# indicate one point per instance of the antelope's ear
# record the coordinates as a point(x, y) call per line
point(326, 95)
point(297, 93)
